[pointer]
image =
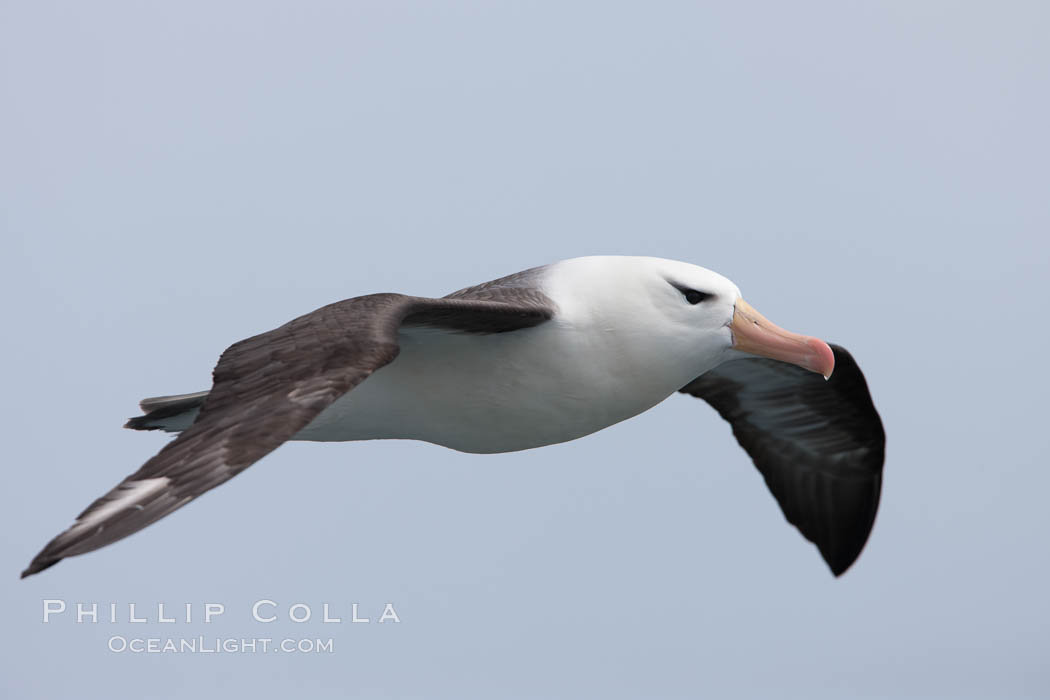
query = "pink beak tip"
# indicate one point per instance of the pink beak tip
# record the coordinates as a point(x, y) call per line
point(822, 359)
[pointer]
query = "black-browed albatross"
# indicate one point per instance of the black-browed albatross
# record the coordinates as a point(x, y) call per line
point(539, 357)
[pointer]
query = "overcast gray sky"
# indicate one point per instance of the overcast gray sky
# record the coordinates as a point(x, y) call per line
point(177, 176)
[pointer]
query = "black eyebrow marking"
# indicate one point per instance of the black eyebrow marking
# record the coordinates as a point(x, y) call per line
point(693, 296)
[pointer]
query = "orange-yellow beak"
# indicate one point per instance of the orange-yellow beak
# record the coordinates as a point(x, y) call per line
point(755, 334)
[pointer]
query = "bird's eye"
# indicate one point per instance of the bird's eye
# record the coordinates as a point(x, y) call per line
point(695, 297)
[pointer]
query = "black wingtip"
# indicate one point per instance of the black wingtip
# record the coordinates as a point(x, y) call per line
point(838, 570)
point(841, 555)
point(38, 565)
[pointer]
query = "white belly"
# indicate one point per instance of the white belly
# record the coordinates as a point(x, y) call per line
point(491, 393)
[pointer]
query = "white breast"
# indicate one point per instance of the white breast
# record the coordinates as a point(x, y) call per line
point(492, 393)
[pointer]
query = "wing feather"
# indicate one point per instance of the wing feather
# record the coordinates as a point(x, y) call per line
point(819, 444)
point(269, 387)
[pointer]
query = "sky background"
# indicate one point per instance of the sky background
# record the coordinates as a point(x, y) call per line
point(177, 176)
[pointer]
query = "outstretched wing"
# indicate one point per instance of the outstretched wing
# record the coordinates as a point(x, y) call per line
point(819, 444)
point(269, 387)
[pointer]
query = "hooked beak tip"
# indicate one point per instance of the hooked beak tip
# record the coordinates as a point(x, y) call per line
point(822, 359)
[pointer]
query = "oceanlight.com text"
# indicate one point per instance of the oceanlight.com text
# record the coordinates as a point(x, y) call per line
point(218, 645)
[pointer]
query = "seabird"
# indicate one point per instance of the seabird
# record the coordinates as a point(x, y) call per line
point(539, 357)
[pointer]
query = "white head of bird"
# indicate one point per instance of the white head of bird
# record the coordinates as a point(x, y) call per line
point(692, 319)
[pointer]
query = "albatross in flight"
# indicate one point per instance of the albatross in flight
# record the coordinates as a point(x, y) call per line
point(539, 357)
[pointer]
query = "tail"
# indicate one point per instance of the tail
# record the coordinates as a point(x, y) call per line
point(170, 413)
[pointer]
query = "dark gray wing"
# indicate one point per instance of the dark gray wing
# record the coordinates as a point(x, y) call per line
point(819, 444)
point(267, 388)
